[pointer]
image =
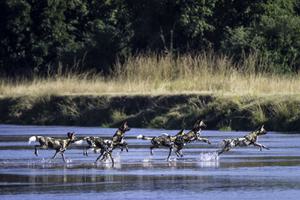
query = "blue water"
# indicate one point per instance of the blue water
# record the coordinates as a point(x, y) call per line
point(243, 173)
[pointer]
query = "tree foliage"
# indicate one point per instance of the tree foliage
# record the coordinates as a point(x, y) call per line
point(38, 36)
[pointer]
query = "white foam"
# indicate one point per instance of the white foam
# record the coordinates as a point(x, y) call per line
point(146, 160)
point(117, 158)
point(208, 157)
point(172, 159)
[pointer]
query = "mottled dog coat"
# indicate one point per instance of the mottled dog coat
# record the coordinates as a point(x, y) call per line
point(60, 145)
point(177, 141)
point(163, 140)
point(106, 146)
point(247, 140)
point(181, 139)
point(98, 143)
point(118, 138)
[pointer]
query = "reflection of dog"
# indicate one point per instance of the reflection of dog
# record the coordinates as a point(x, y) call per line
point(60, 145)
point(193, 135)
point(250, 139)
point(163, 140)
point(118, 138)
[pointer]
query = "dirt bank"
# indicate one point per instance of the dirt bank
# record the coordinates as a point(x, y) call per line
point(168, 111)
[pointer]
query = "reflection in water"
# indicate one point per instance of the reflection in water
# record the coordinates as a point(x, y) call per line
point(244, 172)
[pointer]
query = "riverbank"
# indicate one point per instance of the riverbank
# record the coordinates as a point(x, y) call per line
point(278, 113)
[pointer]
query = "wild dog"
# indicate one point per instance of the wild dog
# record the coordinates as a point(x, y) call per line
point(118, 138)
point(247, 140)
point(163, 140)
point(59, 145)
point(98, 143)
point(181, 139)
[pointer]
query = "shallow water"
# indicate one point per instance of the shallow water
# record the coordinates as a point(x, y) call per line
point(243, 173)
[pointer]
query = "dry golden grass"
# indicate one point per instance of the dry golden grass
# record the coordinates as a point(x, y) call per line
point(153, 74)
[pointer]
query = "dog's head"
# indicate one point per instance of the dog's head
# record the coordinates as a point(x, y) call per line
point(124, 127)
point(262, 131)
point(199, 125)
point(71, 136)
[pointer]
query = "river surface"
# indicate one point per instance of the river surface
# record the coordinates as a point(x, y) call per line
point(243, 173)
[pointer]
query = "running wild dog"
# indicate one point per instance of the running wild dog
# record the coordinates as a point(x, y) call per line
point(60, 145)
point(118, 138)
point(98, 143)
point(106, 146)
point(163, 140)
point(181, 139)
point(247, 140)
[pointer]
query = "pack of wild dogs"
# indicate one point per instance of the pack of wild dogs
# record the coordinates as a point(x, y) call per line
point(174, 143)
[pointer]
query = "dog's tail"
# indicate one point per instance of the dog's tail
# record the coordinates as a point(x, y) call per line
point(80, 142)
point(144, 137)
point(32, 139)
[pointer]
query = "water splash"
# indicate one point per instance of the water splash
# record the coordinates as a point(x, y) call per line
point(117, 158)
point(146, 160)
point(209, 157)
point(172, 159)
point(68, 161)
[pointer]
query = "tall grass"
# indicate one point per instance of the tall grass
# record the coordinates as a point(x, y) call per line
point(157, 74)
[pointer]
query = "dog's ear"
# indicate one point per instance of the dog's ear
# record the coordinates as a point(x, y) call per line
point(197, 124)
point(180, 132)
point(262, 129)
point(202, 124)
point(123, 125)
point(71, 134)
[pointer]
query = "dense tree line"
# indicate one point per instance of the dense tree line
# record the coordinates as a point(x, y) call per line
point(37, 36)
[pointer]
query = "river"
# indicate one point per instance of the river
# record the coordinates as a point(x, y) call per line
point(243, 173)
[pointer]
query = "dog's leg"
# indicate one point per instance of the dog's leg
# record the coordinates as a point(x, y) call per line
point(63, 156)
point(170, 151)
point(55, 154)
point(126, 146)
point(36, 147)
point(85, 153)
point(178, 152)
point(204, 140)
point(220, 152)
point(102, 151)
point(225, 149)
point(98, 158)
point(112, 160)
point(151, 150)
point(260, 146)
point(103, 154)
point(35, 150)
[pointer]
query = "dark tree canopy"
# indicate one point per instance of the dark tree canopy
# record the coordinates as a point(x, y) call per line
point(38, 36)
